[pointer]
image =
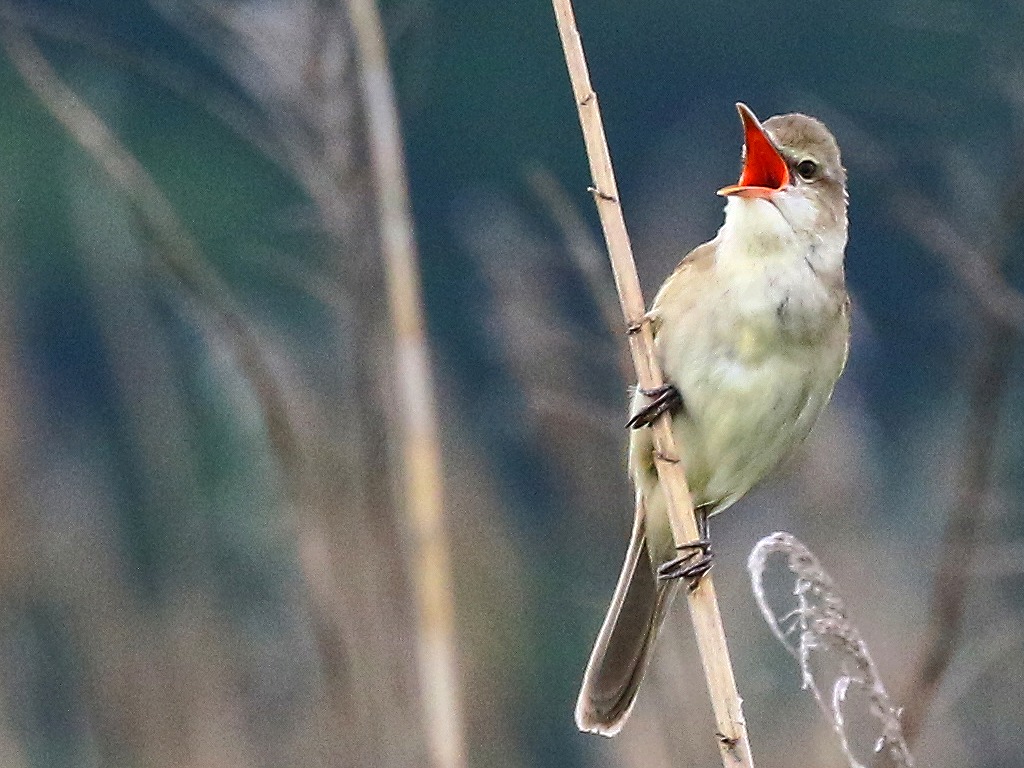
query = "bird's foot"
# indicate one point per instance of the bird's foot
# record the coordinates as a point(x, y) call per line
point(663, 398)
point(695, 561)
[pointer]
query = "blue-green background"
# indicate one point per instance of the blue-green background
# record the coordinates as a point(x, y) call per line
point(146, 501)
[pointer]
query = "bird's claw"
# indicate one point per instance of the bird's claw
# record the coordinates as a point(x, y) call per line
point(663, 398)
point(685, 566)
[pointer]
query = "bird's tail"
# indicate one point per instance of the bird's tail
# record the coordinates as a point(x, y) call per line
point(624, 646)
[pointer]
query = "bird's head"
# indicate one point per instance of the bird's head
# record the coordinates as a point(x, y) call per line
point(792, 163)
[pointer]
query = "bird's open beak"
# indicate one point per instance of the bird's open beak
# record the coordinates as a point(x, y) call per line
point(764, 169)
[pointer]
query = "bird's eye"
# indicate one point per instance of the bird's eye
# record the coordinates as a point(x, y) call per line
point(807, 169)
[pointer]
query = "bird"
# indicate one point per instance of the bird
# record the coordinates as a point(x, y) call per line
point(752, 333)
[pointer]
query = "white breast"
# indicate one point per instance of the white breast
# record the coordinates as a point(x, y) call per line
point(755, 359)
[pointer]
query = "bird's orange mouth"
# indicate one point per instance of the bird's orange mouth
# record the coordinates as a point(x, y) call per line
point(764, 168)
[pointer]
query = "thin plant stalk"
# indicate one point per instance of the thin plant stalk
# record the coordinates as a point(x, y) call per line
point(707, 621)
point(421, 451)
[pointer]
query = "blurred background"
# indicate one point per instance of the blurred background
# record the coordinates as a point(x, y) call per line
point(204, 559)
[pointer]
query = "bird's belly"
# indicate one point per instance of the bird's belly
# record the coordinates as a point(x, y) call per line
point(739, 420)
point(742, 419)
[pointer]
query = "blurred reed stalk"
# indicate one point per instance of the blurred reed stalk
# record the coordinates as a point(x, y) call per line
point(733, 743)
point(358, 617)
point(1001, 310)
point(584, 250)
point(417, 418)
point(357, 563)
point(189, 646)
point(989, 382)
point(15, 546)
point(975, 256)
point(176, 249)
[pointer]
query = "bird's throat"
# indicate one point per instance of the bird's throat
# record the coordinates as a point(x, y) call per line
point(755, 228)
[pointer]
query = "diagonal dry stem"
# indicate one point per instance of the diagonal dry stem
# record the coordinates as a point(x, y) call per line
point(584, 249)
point(176, 248)
point(707, 621)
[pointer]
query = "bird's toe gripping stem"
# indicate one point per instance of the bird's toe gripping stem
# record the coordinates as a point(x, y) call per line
point(696, 560)
point(663, 398)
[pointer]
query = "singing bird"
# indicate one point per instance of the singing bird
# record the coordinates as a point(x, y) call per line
point(752, 331)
